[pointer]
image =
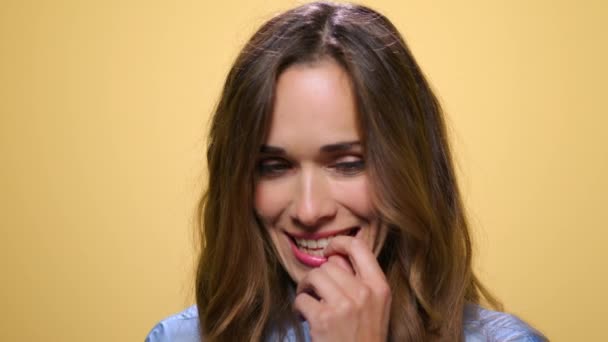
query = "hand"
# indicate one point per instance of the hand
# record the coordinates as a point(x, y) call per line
point(348, 297)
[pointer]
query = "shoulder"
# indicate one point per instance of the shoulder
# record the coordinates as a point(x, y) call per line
point(181, 327)
point(480, 325)
point(486, 325)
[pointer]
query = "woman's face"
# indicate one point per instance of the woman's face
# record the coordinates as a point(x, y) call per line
point(311, 181)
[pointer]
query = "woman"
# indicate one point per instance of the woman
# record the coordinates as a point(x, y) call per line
point(332, 211)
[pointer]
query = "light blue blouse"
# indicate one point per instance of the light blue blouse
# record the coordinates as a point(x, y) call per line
point(480, 325)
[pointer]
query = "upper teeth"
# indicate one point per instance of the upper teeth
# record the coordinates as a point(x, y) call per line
point(315, 244)
point(321, 243)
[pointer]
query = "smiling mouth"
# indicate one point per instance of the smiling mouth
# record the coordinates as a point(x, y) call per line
point(316, 247)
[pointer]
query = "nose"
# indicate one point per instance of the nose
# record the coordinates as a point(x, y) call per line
point(313, 204)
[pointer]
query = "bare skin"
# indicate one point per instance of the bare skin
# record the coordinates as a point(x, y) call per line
point(312, 182)
point(352, 304)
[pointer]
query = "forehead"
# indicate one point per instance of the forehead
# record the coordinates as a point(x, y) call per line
point(314, 104)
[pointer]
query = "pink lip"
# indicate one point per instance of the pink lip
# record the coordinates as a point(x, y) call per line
point(320, 235)
point(306, 259)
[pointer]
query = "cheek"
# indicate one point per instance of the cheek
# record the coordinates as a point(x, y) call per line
point(270, 201)
point(355, 195)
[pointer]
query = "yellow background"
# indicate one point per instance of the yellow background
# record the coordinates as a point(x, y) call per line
point(104, 107)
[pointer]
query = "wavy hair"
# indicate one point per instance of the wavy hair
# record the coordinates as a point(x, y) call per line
point(242, 291)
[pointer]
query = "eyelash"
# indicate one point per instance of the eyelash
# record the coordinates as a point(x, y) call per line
point(350, 168)
point(274, 167)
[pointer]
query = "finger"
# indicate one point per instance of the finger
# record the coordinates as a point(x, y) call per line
point(351, 286)
point(360, 256)
point(307, 306)
point(318, 282)
point(342, 262)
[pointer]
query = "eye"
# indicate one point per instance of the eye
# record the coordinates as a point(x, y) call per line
point(349, 166)
point(272, 167)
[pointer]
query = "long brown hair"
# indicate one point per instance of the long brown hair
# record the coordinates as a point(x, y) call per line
point(242, 291)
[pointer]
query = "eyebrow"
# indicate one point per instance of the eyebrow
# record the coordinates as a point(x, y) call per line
point(332, 148)
point(340, 147)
